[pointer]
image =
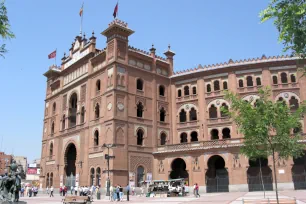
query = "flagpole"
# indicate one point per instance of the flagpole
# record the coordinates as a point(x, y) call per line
point(55, 55)
point(82, 19)
point(118, 9)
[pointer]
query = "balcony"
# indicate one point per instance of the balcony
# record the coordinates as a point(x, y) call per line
point(219, 120)
point(285, 86)
point(212, 144)
point(187, 124)
point(213, 94)
point(248, 89)
point(187, 98)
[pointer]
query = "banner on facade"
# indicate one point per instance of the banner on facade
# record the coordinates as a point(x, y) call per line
point(149, 177)
point(32, 171)
point(131, 176)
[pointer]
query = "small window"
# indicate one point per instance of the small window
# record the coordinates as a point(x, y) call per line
point(51, 150)
point(52, 128)
point(284, 78)
point(214, 134)
point(293, 79)
point(249, 81)
point(179, 93)
point(213, 112)
point(97, 111)
point(183, 137)
point(225, 85)
point(193, 114)
point(96, 138)
point(186, 90)
point(216, 85)
point(98, 85)
point(294, 103)
point(139, 84)
point(194, 136)
point(274, 79)
point(240, 82)
point(182, 116)
point(139, 110)
point(83, 114)
point(163, 138)
point(162, 115)
point(208, 88)
point(258, 81)
point(194, 90)
point(223, 114)
point(226, 133)
point(54, 108)
point(140, 137)
point(161, 90)
point(63, 122)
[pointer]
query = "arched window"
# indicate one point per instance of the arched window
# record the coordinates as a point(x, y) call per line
point(51, 179)
point(97, 111)
point(240, 82)
point(208, 88)
point(54, 108)
point(216, 85)
point(298, 129)
point(139, 84)
point(249, 81)
point(258, 81)
point(162, 115)
point(183, 137)
point(214, 133)
point(73, 110)
point(140, 175)
point(96, 138)
point(293, 79)
point(163, 138)
point(280, 99)
point(294, 103)
point(98, 176)
point(83, 114)
point(98, 85)
point(179, 93)
point(161, 90)
point(186, 91)
point(194, 90)
point(192, 114)
point(194, 136)
point(92, 176)
point(51, 150)
point(52, 128)
point(63, 122)
point(47, 180)
point(225, 85)
point(223, 114)
point(140, 137)
point(139, 110)
point(183, 116)
point(226, 133)
point(274, 79)
point(284, 78)
point(213, 112)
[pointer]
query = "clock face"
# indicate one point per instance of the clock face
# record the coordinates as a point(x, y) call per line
point(109, 106)
point(120, 106)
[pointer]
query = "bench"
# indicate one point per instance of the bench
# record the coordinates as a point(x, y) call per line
point(76, 199)
point(270, 201)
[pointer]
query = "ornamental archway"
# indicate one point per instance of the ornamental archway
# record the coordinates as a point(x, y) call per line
point(299, 172)
point(70, 165)
point(216, 176)
point(178, 170)
point(259, 175)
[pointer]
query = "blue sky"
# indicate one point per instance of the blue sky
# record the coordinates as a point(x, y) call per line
point(199, 31)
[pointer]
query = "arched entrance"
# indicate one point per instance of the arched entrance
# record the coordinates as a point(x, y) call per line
point(257, 180)
point(299, 173)
point(178, 167)
point(216, 175)
point(70, 168)
point(140, 175)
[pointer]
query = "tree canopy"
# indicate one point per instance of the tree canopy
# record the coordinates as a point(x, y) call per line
point(290, 20)
point(5, 32)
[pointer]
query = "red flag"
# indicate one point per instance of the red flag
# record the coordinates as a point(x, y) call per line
point(81, 10)
point(52, 54)
point(115, 11)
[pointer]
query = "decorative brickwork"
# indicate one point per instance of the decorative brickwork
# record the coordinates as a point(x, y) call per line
point(83, 93)
point(64, 102)
point(146, 162)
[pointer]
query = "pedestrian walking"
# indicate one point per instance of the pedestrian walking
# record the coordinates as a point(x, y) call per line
point(61, 191)
point(75, 190)
point(111, 193)
point(22, 192)
point(197, 190)
point(194, 190)
point(121, 193)
point(117, 193)
point(133, 190)
point(51, 191)
point(47, 190)
point(127, 192)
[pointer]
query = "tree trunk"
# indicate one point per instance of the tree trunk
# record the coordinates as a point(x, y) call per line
point(263, 186)
point(275, 178)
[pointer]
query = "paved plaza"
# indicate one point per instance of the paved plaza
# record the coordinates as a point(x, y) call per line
point(216, 198)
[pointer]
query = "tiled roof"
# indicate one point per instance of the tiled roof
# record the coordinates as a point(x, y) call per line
point(233, 63)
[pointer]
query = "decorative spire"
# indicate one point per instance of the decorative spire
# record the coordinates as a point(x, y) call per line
point(169, 47)
point(152, 50)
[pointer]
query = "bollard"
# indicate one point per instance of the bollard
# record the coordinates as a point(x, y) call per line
point(98, 195)
point(268, 200)
point(242, 201)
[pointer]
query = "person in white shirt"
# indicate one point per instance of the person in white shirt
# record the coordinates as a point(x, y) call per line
point(76, 190)
point(51, 191)
point(47, 190)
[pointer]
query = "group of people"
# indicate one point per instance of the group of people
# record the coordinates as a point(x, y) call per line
point(116, 193)
point(196, 190)
point(29, 191)
point(74, 190)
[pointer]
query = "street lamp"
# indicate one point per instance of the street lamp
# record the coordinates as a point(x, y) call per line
point(108, 157)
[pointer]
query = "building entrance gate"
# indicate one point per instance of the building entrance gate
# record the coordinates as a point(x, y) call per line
point(259, 175)
point(70, 168)
point(216, 176)
point(299, 173)
point(70, 181)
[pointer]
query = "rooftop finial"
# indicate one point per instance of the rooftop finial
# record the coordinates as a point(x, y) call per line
point(65, 54)
point(93, 33)
point(169, 47)
point(84, 35)
point(152, 45)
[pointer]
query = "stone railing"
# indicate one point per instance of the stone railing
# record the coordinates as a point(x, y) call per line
point(285, 86)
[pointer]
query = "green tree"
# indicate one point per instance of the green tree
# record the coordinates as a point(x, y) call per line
point(290, 20)
point(267, 127)
point(5, 31)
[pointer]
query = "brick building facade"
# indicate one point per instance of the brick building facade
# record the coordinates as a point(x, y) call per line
point(164, 124)
point(5, 162)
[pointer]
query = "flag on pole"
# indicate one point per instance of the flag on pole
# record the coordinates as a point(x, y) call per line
point(115, 10)
point(52, 55)
point(81, 10)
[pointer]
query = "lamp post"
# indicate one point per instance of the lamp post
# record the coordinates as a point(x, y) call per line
point(108, 157)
